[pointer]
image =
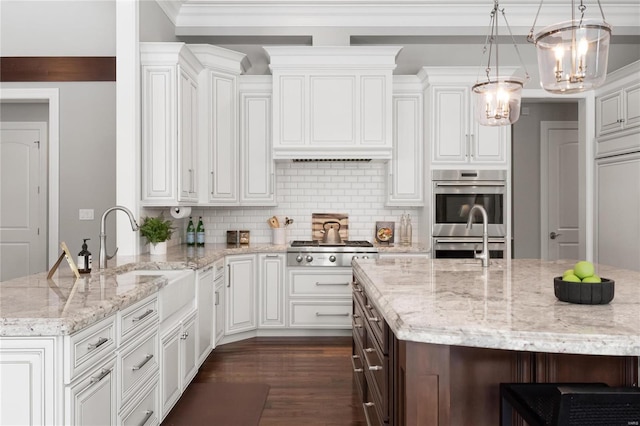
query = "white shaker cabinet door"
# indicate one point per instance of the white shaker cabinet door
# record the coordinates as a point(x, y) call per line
point(257, 180)
point(28, 381)
point(241, 294)
point(406, 167)
point(617, 211)
point(271, 308)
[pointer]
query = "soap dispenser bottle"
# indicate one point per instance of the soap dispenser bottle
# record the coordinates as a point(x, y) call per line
point(84, 258)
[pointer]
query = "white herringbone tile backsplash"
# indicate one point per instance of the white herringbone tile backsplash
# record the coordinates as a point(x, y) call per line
point(355, 188)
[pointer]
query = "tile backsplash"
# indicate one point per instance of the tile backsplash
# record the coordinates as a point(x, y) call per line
point(355, 188)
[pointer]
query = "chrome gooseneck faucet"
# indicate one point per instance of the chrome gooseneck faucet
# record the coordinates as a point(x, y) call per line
point(103, 236)
point(484, 256)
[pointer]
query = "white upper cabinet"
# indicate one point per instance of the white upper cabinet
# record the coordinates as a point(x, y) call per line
point(236, 130)
point(406, 170)
point(332, 102)
point(454, 135)
point(169, 123)
point(257, 179)
point(618, 113)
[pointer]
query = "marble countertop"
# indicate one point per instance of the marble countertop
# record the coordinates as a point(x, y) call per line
point(37, 306)
point(511, 305)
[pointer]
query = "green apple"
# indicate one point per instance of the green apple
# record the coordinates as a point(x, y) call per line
point(592, 279)
point(584, 269)
point(571, 278)
point(568, 272)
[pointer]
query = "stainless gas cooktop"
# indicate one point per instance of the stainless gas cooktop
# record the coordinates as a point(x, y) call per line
point(317, 253)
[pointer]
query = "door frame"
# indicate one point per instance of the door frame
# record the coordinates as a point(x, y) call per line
point(586, 167)
point(52, 97)
point(544, 185)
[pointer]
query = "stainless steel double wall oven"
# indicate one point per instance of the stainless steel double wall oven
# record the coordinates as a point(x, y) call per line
point(454, 193)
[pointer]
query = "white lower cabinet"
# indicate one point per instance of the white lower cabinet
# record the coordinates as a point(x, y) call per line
point(28, 375)
point(319, 298)
point(91, 398)
point(240, 294)
point(206, 311)
point(143, 410)
point(177, 361)
point(271, 309)
point(219, 305)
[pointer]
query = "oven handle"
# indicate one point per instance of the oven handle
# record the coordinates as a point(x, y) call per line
point(477, 184)
point(496, 240)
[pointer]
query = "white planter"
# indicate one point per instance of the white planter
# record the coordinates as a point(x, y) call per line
point(158, 248)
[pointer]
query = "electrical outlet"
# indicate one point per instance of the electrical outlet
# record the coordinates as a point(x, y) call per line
point(85, 214)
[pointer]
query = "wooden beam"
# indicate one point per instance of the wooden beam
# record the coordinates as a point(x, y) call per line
point(58, 68)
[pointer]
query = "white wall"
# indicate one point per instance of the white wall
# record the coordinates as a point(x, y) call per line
point(57, 28)
point(526, 173)
point(87, 109)
point(358, 189)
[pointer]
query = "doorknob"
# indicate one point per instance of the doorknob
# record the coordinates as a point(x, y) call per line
point(553, 235)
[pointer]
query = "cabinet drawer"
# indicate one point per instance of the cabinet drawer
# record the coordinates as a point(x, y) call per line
point(358, 292)
point(218, 270)
point(138, 361)
point(357, 322)
point(321, 314)
point(358, 370)
point(144, 411)
point(135, 318)
point(371, 414)
point(376, 370)
point(320, 284)
point(87, 347)
point(378, 327)
point(91, 398)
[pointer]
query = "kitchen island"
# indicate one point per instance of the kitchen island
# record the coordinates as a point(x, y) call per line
point(453, 331)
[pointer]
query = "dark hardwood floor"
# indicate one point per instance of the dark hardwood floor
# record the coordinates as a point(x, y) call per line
point(311, 378)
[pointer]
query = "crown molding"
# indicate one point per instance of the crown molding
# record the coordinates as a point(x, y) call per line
point(218, 17)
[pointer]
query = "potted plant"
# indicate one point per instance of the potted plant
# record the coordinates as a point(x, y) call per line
point(157, 230)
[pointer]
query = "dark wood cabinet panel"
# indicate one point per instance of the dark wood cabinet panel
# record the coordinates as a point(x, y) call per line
point(612, 370)
point(58, 68)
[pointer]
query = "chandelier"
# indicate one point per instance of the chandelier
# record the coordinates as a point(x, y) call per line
point(497, 98)
point(572, 55)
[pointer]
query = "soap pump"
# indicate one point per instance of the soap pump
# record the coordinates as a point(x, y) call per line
point(84, 258)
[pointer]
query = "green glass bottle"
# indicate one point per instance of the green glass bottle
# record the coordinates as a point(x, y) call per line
point(200, 232)
point(191, 233)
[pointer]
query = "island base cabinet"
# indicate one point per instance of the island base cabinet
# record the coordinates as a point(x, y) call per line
point(91, 399)
point(440, 385)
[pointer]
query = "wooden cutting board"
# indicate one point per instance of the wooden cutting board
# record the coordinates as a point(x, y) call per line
point(318, 220)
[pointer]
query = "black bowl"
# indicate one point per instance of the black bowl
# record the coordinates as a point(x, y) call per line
point(584, 293)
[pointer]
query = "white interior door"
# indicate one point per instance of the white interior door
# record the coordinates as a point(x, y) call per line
point(23, 184)
point(560, 167)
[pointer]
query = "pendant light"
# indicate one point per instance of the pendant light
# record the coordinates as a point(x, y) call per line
point(497, 98)
point(572, 55)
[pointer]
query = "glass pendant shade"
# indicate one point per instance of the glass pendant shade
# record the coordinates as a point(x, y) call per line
point(573, 55)
point(497, 101)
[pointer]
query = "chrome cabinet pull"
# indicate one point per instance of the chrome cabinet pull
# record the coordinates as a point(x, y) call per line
point(320, 314)
point(146, 359)
point(103, 373)
point(146, 314)
point(205, 270)
point(217, 298)
point(319, 283)
point(272, 256)
point(366, 360)
point(184, 335)
point(353, 362)
point(374, 319)
point(147, 416)
point(101, 341)
point(229, 269)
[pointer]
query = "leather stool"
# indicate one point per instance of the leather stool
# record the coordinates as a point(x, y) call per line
point(570, 404)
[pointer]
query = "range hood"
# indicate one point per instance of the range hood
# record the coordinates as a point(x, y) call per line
point(332, 103)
